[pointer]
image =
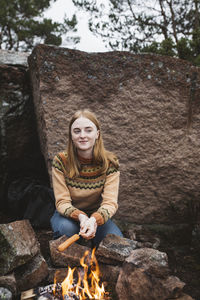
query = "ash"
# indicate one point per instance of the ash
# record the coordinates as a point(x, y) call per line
point(54, 292)
point(48, 296)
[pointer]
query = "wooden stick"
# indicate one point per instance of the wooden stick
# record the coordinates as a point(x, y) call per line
point(68, 242)
point(28, 295)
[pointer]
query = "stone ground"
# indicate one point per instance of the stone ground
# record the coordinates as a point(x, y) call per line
point(184, 261)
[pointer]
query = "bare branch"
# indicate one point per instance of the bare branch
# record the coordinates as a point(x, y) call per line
point(165, 19)
point(173, 20)
point(131, 10)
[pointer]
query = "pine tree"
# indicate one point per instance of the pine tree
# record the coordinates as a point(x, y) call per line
point(22, 25)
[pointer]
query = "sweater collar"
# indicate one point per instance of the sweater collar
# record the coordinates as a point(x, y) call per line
point(84, 161)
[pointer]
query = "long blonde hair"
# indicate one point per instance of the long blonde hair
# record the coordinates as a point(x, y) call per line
point(100, 155)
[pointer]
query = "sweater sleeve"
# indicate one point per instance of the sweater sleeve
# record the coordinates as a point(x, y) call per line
point(109, 203)
point(61, 192)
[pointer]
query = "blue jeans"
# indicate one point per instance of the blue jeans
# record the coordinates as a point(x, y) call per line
point(66, 226)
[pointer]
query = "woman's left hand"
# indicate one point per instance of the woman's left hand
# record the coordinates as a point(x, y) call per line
point(89, 230)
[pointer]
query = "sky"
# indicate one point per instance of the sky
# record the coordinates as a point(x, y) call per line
point(89, 42)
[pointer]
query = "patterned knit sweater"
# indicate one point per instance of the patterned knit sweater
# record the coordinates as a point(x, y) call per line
point(91, 193)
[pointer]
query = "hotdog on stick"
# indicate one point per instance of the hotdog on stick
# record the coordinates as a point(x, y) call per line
point(68, 242)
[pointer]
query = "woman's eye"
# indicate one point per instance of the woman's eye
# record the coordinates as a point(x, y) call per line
point(89, 130)
point(76, 131)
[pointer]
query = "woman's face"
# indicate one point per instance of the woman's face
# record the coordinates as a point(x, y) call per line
point(84, 134)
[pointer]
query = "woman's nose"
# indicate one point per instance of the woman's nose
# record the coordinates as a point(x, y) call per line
point(82, 133)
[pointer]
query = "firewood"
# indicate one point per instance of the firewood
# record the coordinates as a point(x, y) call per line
point(45, 292)
point(28, 295)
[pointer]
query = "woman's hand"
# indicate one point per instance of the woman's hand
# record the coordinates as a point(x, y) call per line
point(83, 219)
point(89, 230)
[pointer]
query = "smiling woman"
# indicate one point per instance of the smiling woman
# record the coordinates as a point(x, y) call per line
point(84, 134)
point(85, 182)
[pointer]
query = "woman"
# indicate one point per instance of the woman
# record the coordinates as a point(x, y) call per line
point(85, 183)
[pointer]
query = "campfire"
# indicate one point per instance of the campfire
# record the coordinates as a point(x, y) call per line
point(80, 283)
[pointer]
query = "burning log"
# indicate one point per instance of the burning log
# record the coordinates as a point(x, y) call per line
point(49, 292)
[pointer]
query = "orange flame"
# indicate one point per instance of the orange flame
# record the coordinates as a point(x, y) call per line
point(88, 284)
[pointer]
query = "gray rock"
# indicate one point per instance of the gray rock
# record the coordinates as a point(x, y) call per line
point(144, 238)
point(5, 294)
point(145, 275)
point(14, 58)
point(174, 286)
point(9, 282)
point(18, 245)
point(114, 249)
point(32, 273)
point(109, 273)
point(151, 260)
point(69, 257)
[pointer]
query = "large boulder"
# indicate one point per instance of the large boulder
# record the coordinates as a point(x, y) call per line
point(150, 114)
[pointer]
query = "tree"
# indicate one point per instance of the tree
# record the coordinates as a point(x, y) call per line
point(22, 25)
point(138, 25)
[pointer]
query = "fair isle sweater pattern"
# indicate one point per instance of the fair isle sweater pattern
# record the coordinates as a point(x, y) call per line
point(90, 175)
point(90, 179)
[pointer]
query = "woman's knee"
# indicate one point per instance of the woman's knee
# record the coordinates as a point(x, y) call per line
point(63, 226)
point(68, 227)
point(111, 228)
